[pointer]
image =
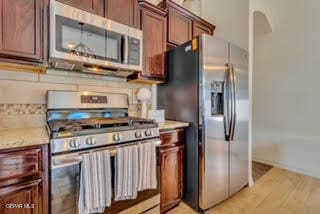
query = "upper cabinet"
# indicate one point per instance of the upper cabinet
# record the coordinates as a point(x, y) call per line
point(180, 27)
point(154, 27)
point(22, 31)
point(200, 28)
point(184, 25)
point(92, 6)
point(123, 11)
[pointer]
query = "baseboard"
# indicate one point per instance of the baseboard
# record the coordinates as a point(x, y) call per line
point(285, 166)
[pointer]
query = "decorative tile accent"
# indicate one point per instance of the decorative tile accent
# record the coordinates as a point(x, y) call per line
point(22, 109)
point(23, 95)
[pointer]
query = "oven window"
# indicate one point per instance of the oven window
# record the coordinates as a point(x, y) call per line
point(86, 40)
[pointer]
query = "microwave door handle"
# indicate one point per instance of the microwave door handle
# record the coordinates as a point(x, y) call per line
point(124, 51)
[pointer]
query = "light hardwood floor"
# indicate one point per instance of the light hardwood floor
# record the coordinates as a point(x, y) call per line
point(277, 192)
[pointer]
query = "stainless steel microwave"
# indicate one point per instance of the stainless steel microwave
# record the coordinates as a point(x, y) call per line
point(82, 41)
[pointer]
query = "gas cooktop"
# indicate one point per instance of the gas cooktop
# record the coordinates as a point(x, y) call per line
point(86, 120)
point(96, 124)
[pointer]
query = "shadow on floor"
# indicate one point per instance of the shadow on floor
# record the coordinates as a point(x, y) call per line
point(259, 169)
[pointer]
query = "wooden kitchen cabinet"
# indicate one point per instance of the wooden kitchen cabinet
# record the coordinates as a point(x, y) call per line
point(179, 27)
point(154, 27)
point(171, 159)
point(91, 6)
point(199, 29)
point(23, 30)
point(184, 25)
point(21, 198)
point(24, 180)
point(123, 11)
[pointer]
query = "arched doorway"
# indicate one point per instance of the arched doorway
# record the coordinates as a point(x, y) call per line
point(259, 26)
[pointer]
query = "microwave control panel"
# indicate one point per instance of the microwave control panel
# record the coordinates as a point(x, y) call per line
point(134, 51)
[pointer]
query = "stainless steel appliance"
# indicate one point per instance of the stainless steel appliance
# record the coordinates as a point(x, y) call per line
point(81, 122)
point(82, 41)
point(208, 87)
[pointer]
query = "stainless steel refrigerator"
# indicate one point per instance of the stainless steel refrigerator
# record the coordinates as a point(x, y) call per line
point(208, 87)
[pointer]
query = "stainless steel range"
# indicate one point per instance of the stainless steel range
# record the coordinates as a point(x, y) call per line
point(81, 122)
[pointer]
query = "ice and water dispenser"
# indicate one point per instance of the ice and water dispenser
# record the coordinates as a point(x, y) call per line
point(217, 91)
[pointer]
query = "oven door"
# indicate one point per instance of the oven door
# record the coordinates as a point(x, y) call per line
point(65, 186)
point(80, 36)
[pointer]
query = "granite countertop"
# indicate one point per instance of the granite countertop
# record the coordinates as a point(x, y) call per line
point(21, 137)
point(170, 124)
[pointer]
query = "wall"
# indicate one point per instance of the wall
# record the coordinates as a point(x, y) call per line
point(23, 94)
point(285, 85)
point(231, 18)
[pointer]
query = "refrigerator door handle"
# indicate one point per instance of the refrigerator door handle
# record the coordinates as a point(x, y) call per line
point(227, 102)
point(233, 103)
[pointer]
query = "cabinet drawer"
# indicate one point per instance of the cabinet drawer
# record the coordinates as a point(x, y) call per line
point(18, 166)
point(172, 137)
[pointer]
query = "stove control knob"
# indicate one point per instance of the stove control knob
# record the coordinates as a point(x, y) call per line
point(138, 134)
point(117, 137)
point(91, 141)
point(74, 143)
point(148, 132)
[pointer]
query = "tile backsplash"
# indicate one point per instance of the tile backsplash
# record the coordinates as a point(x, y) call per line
point(23, 94)
point(22, 109)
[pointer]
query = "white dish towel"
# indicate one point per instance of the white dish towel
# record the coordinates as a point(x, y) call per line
point(126, 173)
point(147, 166)
point(95, 182)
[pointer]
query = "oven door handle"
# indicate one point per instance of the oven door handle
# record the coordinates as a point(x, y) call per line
point(60, 161)
point(65, 160)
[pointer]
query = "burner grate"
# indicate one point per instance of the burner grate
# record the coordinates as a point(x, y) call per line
point(95, 123)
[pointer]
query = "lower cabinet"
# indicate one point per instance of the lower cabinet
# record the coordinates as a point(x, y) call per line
point(171, 157)
point(24, 181)
point(21, 198)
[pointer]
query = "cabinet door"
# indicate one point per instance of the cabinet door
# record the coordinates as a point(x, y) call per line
point(124, 11)
point(20, 29)
point(199, 29)
point(22, 198)
point(171, 176)
point(92, 6)
point(20, 166)
point(154, 28)
point(180, 27)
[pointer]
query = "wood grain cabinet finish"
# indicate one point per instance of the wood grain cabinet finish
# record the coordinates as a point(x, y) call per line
point(25, 196)
point(22, 30)
point(92, 6)
point(199, 29)
point(171, 177)
point(123, 11)
point(183, 25)
point(20, 166)
point(154, 27)
point(180, 27)
point(171, 157)
point(24, 180)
